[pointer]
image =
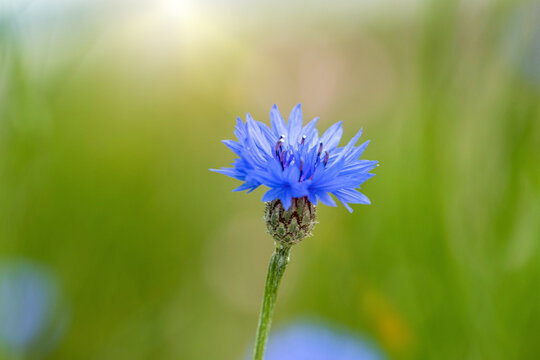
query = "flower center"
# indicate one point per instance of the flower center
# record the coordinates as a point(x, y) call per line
point(308, 159)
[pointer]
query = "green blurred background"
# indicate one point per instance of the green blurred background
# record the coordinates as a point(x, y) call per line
point(111, 113)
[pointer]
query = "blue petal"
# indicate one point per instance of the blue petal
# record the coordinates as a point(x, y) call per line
point(346, 150)
point(229, 172)
point(311, 133)
point(246, 186)
point(359, 178)
point(350, 146)
point(234, 146)
point(268, 134)
point(347, 206)
point(255, 149)
point(254, 131)
point(358, 167)
point(240, 130)
point(299, 190)
point(343, 182)
point(278, 125)
point(312, 198)
point(326, 199)
point(295, 125)
point(292, 174)
point(286, 198)
point(353, 196)
point(332, 136)
point(271, 194)
point(272, 175)
point(355, 155)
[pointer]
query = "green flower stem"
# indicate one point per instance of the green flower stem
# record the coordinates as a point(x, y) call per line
point(277, 266)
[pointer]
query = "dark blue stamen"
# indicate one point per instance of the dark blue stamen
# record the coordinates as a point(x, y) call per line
point(319, 155)
point(279, 145)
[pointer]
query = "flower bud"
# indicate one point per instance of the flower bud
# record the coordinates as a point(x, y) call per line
point(289, 227)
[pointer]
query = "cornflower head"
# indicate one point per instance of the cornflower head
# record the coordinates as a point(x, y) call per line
point(294, 162)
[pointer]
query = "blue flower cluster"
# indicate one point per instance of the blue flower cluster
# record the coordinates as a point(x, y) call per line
point(307, 340)
point(33, 315)
point(294, 162)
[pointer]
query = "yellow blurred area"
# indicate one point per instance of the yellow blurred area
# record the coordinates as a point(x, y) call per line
point(390, 327)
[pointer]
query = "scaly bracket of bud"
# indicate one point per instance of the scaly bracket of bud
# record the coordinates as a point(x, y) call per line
point(289, 227)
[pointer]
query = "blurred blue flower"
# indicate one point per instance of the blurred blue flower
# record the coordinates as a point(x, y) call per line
point(293, 161)
point(29, 308)
point(523, 41)
point(313, 341)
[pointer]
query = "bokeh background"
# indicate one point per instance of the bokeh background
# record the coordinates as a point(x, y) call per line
point(116, 242)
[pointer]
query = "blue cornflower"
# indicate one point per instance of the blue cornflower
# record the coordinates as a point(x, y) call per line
point(294, 162)
point(33, 313)
point(307, 340)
